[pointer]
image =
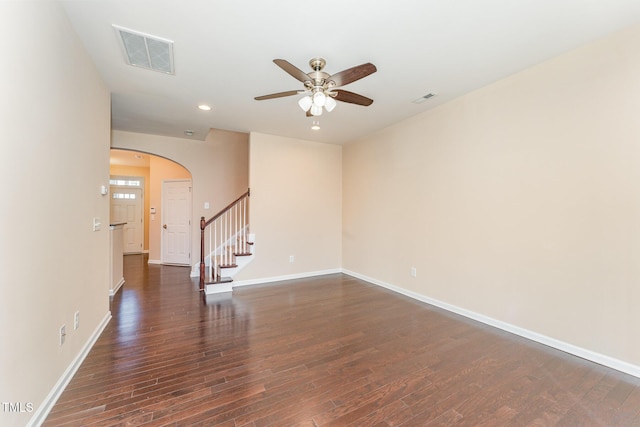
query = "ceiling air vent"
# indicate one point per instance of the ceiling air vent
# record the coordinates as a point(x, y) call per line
point(146, 51)
point(424, 98)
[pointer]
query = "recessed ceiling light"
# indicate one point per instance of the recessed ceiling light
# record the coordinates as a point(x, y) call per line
point(188, 132)
point(315, 126)
point(204, 107)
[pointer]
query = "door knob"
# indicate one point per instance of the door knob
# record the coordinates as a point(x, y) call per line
point(164, 226)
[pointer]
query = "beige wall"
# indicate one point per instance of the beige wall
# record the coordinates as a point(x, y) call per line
point(218, 166)
point(122, 170)
point(296, 207)
point(54, 116)
point(520, 201)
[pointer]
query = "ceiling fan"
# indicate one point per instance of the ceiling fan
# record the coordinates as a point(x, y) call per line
point(321, 88)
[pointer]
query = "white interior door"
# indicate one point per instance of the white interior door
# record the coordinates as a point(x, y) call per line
point(126, 206)
point(176, 222)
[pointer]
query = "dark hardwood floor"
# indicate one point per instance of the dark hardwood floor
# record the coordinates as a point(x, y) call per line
point(331, 350)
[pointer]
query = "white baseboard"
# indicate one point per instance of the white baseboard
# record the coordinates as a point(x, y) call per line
point(43, 410)
point(584, 353)
point(286, 277)
point(115, 290)
point(154, 261)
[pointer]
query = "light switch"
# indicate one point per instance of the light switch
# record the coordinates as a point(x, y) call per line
point(96, 224)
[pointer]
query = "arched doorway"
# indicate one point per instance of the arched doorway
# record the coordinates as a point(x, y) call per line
point(153, 172)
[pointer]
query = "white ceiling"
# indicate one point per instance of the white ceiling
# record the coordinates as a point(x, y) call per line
point(224, 51)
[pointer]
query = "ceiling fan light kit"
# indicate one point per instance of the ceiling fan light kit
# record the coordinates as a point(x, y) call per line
point(319, 98)
point(313, 104)
point(330, 104)
point(305, 103)
point(315, 110)
point(320, 88)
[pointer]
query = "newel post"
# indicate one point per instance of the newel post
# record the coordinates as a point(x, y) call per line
point(202, 227)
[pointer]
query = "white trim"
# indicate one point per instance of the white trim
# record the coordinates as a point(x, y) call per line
point(43, 410)
point(115, 290)
point(154, 261)
point(584, 353)
point(218, 288)
point(286, 277)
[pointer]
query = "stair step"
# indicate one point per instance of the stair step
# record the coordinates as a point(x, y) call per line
point(219, 279)
point(243, 254)
point(227, 265)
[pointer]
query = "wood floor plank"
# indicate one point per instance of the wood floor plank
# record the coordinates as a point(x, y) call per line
point(322, 351)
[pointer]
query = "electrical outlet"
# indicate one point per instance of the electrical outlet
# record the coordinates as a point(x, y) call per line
point(63, 334)
point(291, 258)
point(414, 272)
point(76, 320)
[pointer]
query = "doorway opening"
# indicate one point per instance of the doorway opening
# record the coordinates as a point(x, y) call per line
point(152, 171)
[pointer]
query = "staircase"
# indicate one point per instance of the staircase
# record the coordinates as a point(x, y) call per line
point(226, 246)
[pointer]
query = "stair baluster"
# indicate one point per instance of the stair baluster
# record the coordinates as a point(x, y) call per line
point(230, 223)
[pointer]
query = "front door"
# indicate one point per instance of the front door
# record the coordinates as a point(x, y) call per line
point(126, 206)
point(176, 222)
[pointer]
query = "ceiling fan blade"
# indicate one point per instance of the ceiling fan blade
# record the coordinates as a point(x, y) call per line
point(277, 95)
point(294, 71)
point(352, 74)
point(352, 98)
